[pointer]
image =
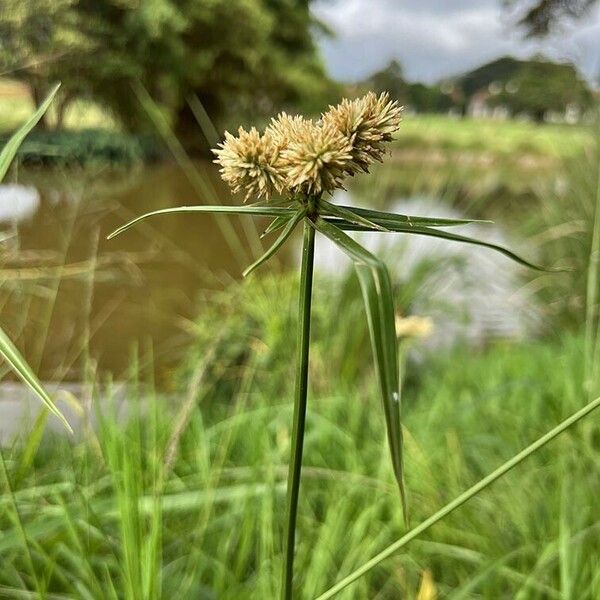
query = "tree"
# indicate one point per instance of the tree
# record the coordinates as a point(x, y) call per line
point(418, 96)
point(247, 57)
point(499, 70)
point(533, 87)
point(540, 86)
point(428, 98)
point(240, 57)
point(40, 43)
point(391, 79)
point(540, 17)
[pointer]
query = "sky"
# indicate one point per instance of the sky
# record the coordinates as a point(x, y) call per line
point(434, 39)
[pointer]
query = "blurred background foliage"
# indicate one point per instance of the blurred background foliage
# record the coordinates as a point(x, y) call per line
point(238, 57)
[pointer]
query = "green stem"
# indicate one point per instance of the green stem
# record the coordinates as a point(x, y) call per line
point(460, 500)
point(591, 301)
point(301, 391)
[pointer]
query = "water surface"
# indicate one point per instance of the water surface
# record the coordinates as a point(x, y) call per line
point(68, 295)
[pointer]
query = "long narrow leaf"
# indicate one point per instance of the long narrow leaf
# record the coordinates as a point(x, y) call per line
point(275, 225)
point(349, 215)
point(431, 232)
point(17, 363)
point(261, 211)
point(376, 288)
point(9, 151)
point(379, 216)
point(285, 234)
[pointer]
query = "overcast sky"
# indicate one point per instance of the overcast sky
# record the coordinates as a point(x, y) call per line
point(437, 38)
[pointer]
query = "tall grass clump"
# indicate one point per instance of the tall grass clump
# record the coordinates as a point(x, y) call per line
point(289, 170)
point(143, 504)
point(570, 219)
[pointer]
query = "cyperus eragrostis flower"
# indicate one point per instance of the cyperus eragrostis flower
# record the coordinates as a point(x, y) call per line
point(298, 156)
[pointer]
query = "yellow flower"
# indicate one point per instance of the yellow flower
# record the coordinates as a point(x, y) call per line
point(413, 326)
point(251, 163)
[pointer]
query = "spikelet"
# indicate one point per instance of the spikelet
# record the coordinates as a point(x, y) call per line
point(251, 163)
point(286, 128)
point(315, 159)
point(368, 122)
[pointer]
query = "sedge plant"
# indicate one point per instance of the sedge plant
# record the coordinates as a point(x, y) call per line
point(289, 171)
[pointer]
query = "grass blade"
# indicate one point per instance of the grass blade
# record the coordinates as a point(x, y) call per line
point(7, 349)
point(260, 211)
point(275, 225)
point(446, 235)
point(17, 363)
point(460, 500)
point(376, 288)
point(10, 150)
point(285, 234)
point(18, 524)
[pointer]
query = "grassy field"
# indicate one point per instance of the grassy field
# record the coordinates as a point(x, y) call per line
point(439, 133)
point(493, 137)
point(187, 499)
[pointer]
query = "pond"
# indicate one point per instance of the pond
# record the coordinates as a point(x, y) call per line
point(68, 294)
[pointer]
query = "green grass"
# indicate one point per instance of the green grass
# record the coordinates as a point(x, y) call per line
point(493, 137)
point(112, 516)
point(424, 132)
point(16, 105)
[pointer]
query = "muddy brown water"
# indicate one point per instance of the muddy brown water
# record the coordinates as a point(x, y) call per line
point(67, 293)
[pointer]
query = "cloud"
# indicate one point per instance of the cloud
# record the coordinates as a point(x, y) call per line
point(434, 39)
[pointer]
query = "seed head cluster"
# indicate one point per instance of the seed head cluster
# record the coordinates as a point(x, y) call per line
point(295, 155)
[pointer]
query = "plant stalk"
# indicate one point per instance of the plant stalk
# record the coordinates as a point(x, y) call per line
point(301, 392)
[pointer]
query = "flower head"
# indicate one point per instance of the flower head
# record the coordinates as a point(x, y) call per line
point(250, 163)
point(286, 128)
point(298, 156)
point(368, 122)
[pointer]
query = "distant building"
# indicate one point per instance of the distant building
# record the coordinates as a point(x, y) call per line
point(479, 105)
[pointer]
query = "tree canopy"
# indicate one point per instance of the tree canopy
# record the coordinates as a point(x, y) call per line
point(414, 95)
point(541, 86)
point(238, 56)
point(540, 17)
point(533, 87)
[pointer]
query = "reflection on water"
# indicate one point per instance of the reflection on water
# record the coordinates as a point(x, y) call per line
point(65, 290)
point(17, 202)
point(471, 293)
point(63, 284)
